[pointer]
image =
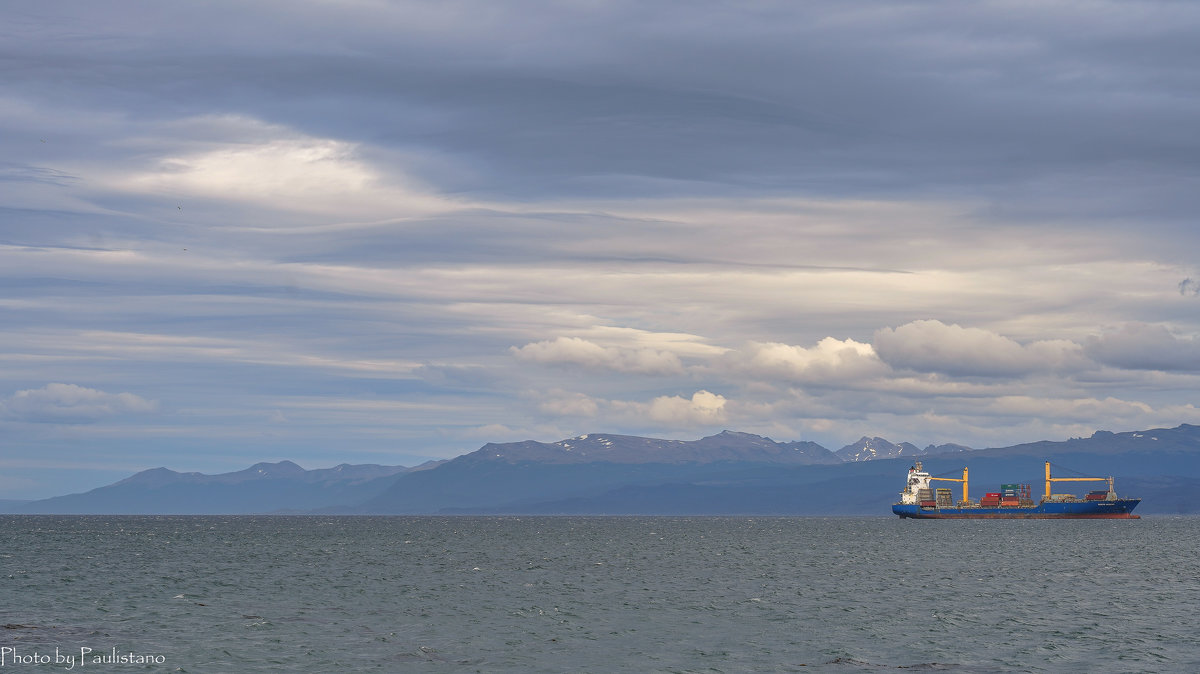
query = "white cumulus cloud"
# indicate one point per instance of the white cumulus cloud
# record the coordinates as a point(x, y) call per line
point(702, 408)
point(70, 403)
point(829, 359)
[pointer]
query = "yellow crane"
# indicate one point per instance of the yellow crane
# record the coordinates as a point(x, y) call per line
point(966, 500)
point(1049, 479)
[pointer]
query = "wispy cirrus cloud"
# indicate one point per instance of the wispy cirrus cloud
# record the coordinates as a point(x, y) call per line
point(587, 354)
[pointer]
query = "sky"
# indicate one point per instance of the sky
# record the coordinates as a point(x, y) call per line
point(386, 232)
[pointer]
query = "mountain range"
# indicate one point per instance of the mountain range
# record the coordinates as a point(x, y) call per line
point(727, 473)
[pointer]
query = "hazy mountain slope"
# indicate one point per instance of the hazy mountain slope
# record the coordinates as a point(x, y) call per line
point(264, 487)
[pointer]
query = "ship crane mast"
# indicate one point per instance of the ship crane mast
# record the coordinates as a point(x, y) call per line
point(1049, 479)
point(966, 499)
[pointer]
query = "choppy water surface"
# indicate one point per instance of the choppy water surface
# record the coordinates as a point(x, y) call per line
point(570, 594)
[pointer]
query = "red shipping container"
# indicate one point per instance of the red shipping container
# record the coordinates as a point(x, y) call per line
point(992, 494)
point(928, 504)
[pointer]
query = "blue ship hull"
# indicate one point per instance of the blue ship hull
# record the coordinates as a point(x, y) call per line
point(1116, 509)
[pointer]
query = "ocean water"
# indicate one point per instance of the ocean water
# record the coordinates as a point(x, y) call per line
point(597, 594)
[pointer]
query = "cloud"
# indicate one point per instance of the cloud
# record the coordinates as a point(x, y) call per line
point(1140, 346)
point(561, 403)
point(831, 359)
point(588, 354)
point(702, 409)
point(453, 376)
point(1107, 413)
point(69, 403)
point(242, 159)
point(1069, 409)
point(933, 346)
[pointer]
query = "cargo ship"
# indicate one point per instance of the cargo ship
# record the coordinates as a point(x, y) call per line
point(920, 500)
